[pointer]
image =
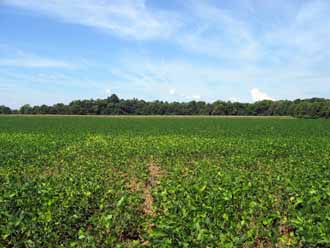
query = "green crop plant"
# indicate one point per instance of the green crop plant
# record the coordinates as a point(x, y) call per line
point(164, 182)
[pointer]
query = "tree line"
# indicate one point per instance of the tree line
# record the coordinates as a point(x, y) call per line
point(113, 105)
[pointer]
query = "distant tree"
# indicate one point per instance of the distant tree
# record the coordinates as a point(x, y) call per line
point(26, 109)
point(113, 99)
point(262, 107)
point(59, 108)
point(35, 110)
point(113, 105)
point(75, 107)
point(219, 108)
point(44, 109)
point(5, 110)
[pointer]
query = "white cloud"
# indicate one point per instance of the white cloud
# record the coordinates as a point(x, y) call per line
point(34, 62)
point(233, 99)
point(204, 27)
point(303, 39)
point(233, 47)
point(258, 95)
point(18, 58)
point(49, 87)
point(218, 34)
point(196, 97)
point(130, 18)
point(179, 80)
point(108, 92)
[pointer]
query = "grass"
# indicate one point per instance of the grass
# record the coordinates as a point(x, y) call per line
point(164, 182)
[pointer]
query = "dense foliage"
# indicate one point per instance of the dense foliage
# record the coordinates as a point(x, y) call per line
point(309, 108)
point(164, 182)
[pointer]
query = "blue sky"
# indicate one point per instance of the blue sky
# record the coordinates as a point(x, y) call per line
point(239, 50)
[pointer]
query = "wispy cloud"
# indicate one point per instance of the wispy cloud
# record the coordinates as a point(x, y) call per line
point(176, 79)
point(128, 18)
point(204, 27)
point(45, 87)
point(223, 49)
point(34, 63)
point(201, 28)
point(217, 33)
point(14, 57)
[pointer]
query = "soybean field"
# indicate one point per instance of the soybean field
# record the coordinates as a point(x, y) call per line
point(164, 182)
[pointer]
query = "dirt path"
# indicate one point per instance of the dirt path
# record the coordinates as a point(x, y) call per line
point(155, 173)
point(134, 185)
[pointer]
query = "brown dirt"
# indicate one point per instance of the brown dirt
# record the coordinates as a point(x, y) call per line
point(285, 230)
point(155, 172)
point(286, 240)
point(259, 241)
point(50, 171)
point(262, 243)
point(148, 202)
point(134, 185)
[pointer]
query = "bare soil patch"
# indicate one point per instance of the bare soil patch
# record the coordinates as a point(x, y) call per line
point(50, 171)
point(155, 172)
point(134, 185)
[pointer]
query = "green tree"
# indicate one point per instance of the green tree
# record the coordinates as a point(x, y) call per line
point(26, 109)
point(113, 99)
point(5, 110)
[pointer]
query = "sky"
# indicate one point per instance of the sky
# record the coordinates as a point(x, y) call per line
point(177, 50)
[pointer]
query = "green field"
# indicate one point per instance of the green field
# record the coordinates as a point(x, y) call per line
point(164, 182)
